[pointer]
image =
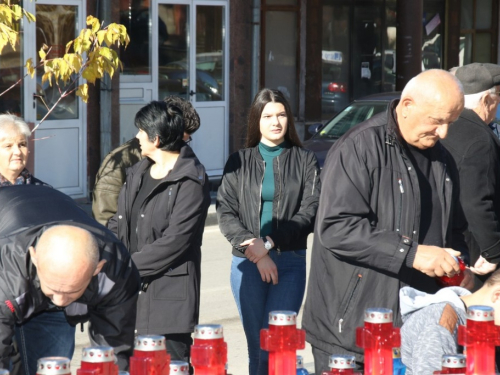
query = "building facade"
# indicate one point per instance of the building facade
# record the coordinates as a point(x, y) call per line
point(217, 53)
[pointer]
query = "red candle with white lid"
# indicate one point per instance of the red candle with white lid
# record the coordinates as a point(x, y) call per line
point(179, 368)
point(282, 340)
point(209, 350)
point(452, 364)
point(341, 364)
point(150, 356)
point(377, 338)
point(53, 366)
point(98, 360)
point(479, 337)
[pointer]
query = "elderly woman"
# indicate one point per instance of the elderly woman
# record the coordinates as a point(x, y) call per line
point(14, 135)
point(30, 336)
point(161, 215)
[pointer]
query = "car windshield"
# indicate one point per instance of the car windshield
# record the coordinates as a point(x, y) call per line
point(349, 117)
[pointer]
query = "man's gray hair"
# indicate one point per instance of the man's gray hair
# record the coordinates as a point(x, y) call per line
point(472, 100)
point(8, 119)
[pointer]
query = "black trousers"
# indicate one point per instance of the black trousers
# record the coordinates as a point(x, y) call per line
point(179, 347)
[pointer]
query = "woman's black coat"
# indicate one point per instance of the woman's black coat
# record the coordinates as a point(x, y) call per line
point(169, 234)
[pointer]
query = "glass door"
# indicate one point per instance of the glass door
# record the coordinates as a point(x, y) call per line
point(60, 141)
point(192, 64)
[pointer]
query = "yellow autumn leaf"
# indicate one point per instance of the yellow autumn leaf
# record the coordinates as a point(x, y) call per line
point(83, 92)
point(89, 74)
point(68, 45)
point(47, 77)
point(101, 34)
point(94, 22)
point(73, 60)
point(42, 54)
point(17, 12)
point(30, 68)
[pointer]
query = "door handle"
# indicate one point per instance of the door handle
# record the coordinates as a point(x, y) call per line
point(191, 93)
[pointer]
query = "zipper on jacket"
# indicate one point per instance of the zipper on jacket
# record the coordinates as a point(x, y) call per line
point(278, 210)
point(402, 190)
point(314, 182)
point(341, 320)
point(260, 191)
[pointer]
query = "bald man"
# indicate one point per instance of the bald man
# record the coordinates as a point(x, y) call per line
point(388, 215)
point(53, 257)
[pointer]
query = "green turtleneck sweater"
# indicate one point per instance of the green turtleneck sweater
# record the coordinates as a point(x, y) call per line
point(267, 195)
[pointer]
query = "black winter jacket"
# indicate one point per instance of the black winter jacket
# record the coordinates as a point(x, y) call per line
point(476, 151)
point(108, 303)
point(368, 219)
point(169, 234)
point(296, 195)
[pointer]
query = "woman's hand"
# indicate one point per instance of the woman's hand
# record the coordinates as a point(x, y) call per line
point(268, 270)
point(255, 250)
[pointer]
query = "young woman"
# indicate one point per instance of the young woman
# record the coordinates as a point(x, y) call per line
point(266, 206)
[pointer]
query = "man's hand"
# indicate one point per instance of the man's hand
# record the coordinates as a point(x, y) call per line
point(436, 261)
point(268, 270)
point(468, 281)
point(255, 250)
point(483, 267)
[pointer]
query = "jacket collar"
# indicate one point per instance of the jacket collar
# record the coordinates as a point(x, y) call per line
point(186, 166)
point(393, 135)
point(256, 154)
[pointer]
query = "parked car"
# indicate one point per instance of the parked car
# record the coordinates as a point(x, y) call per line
point(334, 92)
point(324, 136)
point(173, 80)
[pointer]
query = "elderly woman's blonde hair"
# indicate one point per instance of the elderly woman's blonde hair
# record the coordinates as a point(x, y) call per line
point(7, 120)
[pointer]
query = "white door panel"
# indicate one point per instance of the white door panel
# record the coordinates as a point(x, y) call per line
point(60, 142)
point(207, 140)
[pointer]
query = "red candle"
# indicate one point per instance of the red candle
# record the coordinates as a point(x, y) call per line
point(98, 360)
point(341, 364)
point(378, 337)
point(179, 368)
point(53, 366)
point(456, 280)
point(209, 351)
point(150, 356)
point(452, 364)
point(479, 338)
point(282, 340)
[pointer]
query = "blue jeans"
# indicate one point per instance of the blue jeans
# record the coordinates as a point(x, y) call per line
point(45, 335)
point(256, 298)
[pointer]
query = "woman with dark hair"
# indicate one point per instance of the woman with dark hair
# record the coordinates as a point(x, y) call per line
point(161, 215)
point(266, 206)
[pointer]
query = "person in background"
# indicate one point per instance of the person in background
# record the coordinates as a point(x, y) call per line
point(476, 152)
point(112, 172)
point(161, 215)
point(55, 257)
point(389, 215)
point(14, 151)
point(266, 206)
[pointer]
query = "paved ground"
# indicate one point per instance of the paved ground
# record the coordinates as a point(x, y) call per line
point(217, 303)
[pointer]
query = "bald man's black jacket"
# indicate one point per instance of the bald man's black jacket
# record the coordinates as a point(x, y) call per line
point(108, 303)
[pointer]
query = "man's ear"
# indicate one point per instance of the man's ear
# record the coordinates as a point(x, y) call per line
point(33, 255)
point(406, 106)
point(99, 267)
